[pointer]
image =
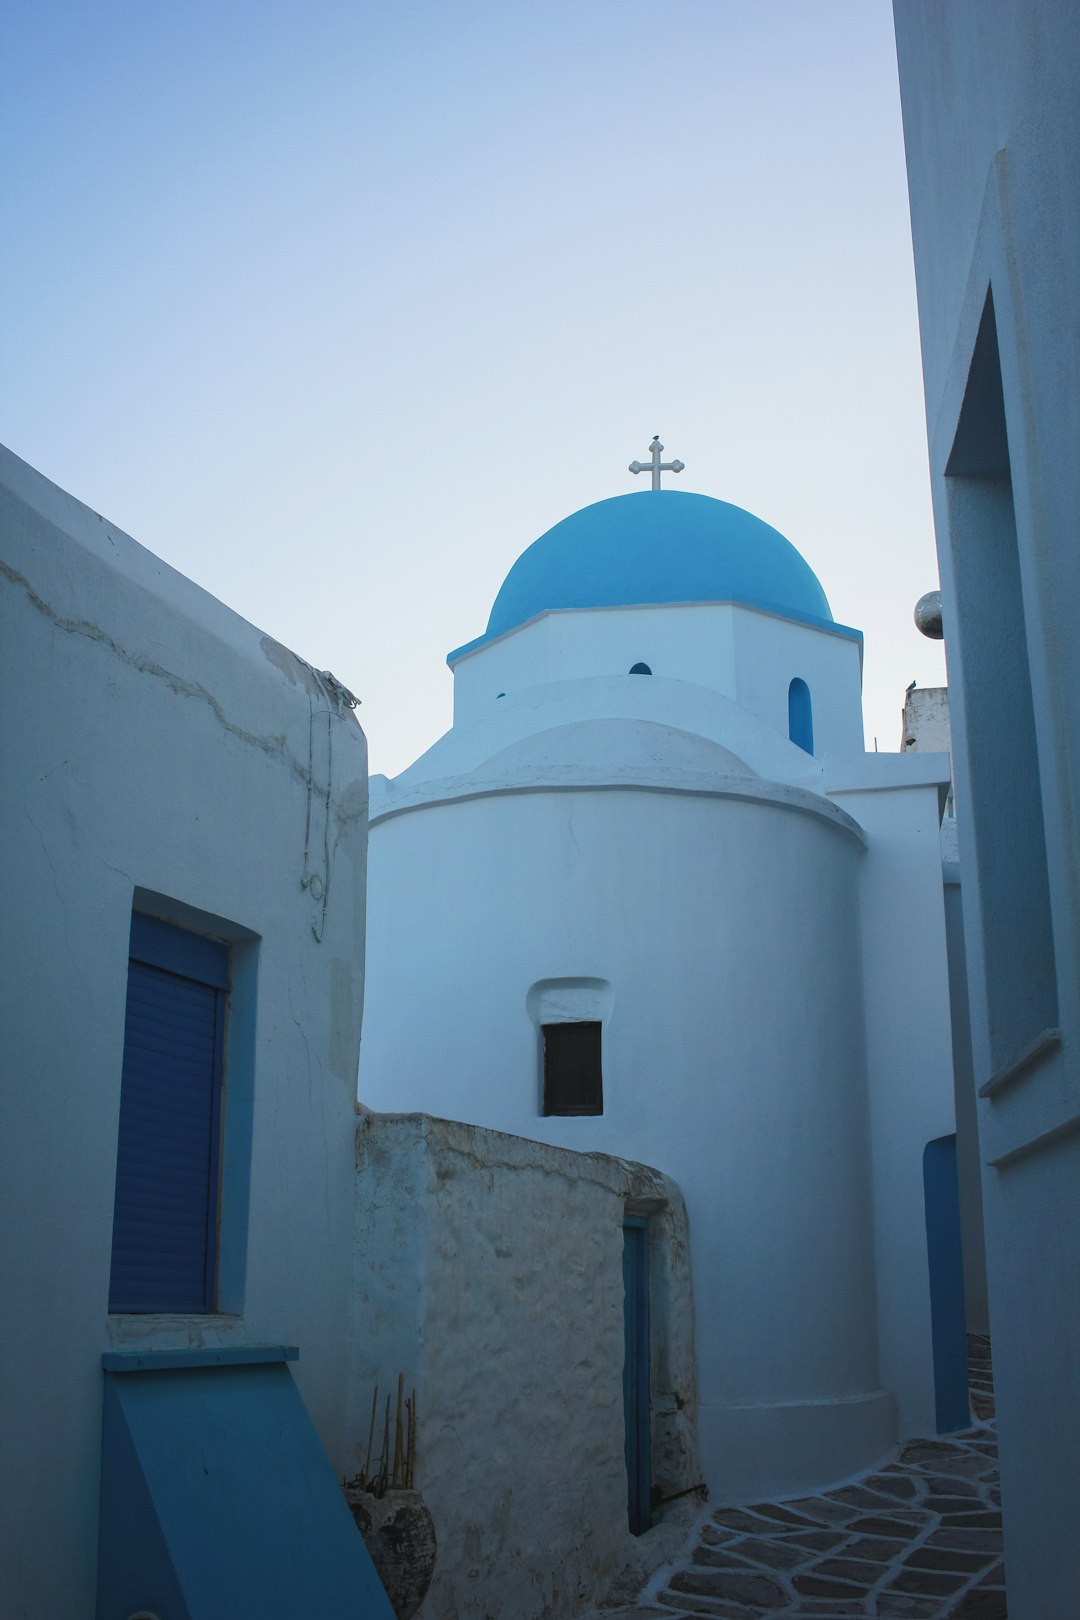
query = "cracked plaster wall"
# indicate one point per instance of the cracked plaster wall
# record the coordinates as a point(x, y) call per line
point(489, 1271)
point(156, 746)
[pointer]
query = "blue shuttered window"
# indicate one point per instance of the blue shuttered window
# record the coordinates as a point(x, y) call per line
point(165, 1214)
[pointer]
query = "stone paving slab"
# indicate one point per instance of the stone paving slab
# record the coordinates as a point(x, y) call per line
point(919, 1539)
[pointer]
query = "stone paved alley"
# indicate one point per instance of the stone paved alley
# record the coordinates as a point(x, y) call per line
point(919, 1539)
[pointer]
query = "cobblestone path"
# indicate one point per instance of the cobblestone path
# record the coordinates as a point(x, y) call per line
point(918, 1540)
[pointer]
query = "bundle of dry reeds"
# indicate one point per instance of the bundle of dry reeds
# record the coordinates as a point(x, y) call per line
point(391, 1474)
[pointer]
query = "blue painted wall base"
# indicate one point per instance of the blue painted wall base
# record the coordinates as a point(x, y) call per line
point(217, 1500)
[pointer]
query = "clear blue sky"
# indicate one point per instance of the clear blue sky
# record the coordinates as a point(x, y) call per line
point(336, 307)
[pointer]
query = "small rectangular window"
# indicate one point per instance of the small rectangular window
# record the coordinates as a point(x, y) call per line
point(165, 1215)
point(572, 1076)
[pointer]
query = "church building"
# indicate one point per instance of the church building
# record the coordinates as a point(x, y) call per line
point(651, 898)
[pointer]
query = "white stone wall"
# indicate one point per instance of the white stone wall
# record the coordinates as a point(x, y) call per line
point(488, 1270)
point(925, 728)
point(156, 749)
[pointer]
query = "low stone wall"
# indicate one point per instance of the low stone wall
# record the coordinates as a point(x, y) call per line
point(489, 1271)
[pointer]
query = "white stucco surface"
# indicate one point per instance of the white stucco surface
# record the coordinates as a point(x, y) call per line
point(730, 1052)
point(925, 725)
point(489, 1271)
point(744, 653)
point(909, 1059)
point(707, 714)
point(990, 104)
point(158, 752)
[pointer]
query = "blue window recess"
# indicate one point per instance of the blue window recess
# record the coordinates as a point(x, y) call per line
point(165, 1216)
point(636, 1373)
point(800, 715)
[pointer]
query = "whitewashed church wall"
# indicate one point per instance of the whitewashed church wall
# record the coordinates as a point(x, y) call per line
point(156, 751)
point(771, 652)
point(488, 1270)
point(909, 1061)
point(694, 709)
point(690, 642)
point(733, 1059)
point(745, 654)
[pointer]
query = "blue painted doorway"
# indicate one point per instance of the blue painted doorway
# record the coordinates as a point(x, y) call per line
point(945, 1255)
point(636, 1372)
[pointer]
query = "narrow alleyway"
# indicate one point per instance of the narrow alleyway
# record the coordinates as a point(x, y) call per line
point(920, 1539)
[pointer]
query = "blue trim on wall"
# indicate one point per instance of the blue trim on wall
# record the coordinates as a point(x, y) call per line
point(175, 950)
point(247, 1355)
point(945, 1256)
point(637, 1413)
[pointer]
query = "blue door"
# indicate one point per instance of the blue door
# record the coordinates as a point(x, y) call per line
point(636, 1372)
point(945, 1254)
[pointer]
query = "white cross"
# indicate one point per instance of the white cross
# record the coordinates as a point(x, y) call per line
point(656, 466)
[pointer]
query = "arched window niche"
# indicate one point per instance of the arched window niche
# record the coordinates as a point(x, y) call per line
point(800, 715)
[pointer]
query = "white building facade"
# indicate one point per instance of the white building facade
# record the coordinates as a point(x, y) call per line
point(991, 111)
point(172, 847)
point(653, 824)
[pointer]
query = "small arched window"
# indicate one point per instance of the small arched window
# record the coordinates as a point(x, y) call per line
point(800, 715)
point(640, 669)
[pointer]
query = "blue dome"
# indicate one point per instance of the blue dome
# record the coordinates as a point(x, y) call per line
point(655, 546)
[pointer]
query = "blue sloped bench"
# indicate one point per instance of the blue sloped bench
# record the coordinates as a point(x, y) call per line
point(217, 1499)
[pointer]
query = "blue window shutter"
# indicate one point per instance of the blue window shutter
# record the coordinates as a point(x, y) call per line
point(165, 1213)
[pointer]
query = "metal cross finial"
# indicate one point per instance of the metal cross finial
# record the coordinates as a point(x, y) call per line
point(657, 466)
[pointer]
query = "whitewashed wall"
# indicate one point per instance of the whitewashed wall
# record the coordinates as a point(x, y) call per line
point(155, 745)
point(725, 920)
point(990, 105)
point(489, 1272)
point(897, 802)
point(747, 654)
point(477, 744)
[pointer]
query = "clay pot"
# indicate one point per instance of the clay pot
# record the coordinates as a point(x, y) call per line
point(400, 1536)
